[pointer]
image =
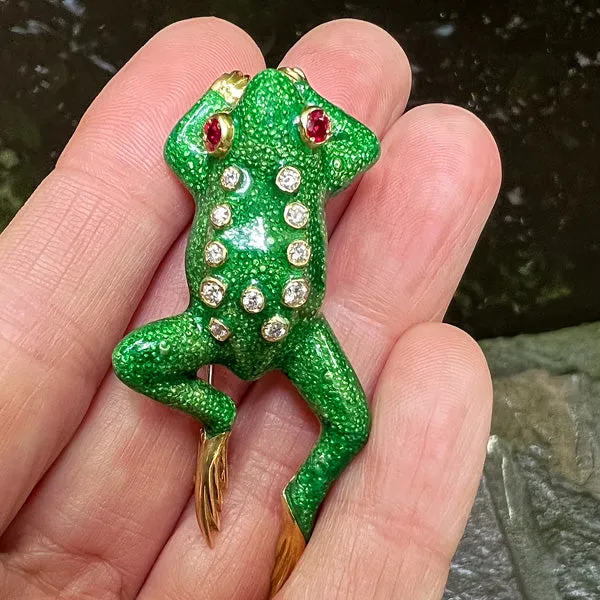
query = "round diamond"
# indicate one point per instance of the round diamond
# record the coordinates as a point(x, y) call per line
point(219, 330)
point(220, 215)
point(275, 329)
point(230, 178)
point(295, 293)
point(298, 253)
point(212, 134)
point(288, 179)
point(215, 254)
point(253, 300)
point(296, 215)
point(212, 291)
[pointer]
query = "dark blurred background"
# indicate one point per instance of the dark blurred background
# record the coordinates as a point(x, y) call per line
point(529, 69)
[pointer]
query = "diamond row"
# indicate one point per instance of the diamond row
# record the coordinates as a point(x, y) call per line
point(298, 253)
point(295, 294)
point(272, 330)
point(295, 215)
point(288, 178)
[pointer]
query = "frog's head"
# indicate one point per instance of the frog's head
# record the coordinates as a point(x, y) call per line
point(280, 120)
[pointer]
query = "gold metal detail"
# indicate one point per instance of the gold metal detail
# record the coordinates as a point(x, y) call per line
point(231, 86)
point(211, 482)
point(294, 73)
point(290, 547)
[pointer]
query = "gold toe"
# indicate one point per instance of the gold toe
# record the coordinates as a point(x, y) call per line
point(211, 482)
point(290, 547)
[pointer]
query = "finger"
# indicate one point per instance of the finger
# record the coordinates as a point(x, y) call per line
point(390, 528)
point(421, 221)
point(411, 229)
point(80, 254)
point(361, 68)
point(117, 429)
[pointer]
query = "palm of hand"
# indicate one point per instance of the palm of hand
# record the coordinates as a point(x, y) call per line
point(92, 250)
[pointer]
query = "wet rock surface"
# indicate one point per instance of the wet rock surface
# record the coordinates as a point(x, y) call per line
point(535, 528)
point(483, 566)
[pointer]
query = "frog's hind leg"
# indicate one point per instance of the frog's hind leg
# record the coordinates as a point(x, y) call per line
point(318, 367)
point(161, 360)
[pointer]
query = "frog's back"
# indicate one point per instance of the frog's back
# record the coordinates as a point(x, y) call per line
point(256, 260)
point(256, 255)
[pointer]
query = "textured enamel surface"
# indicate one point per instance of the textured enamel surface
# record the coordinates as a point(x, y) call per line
point(240, 240)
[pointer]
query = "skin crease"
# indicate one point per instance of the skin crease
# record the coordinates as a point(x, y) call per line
point(94, 249)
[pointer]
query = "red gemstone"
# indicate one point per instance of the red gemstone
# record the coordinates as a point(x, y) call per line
point(317, 125)
point(212, 134)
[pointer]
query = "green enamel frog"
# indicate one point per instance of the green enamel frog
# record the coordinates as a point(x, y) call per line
point(260, 156)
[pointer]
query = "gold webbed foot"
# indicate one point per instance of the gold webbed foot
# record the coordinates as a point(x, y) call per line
point(290, 547)
point(211, 482)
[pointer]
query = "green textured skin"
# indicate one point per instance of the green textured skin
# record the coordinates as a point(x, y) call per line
point(162, 358)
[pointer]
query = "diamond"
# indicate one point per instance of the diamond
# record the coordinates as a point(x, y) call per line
point(295, 293)
point(230, 178)
point(288, 179)
point(275, 329)
point(212, 134)
point(219, 330)
point(298, 253)
point(212, 291)
point(253, 300)
point(296, 215)
point(215, 254)
point(220, 215)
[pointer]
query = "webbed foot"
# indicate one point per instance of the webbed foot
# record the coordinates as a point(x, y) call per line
point(290, 547)
point(211, 482)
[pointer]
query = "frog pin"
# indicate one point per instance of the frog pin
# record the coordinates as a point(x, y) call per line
point(261, 157)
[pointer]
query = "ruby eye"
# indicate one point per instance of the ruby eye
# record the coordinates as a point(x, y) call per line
point(218, 134)
point(315, 126)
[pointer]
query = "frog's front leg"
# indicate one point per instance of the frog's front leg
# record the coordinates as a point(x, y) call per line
point(318, 367)
point(161, 360)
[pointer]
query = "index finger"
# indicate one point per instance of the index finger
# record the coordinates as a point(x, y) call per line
point(78, 257)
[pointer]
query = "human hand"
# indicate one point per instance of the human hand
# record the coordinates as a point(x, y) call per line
point(96, 480)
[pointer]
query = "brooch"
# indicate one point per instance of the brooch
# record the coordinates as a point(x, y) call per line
point(260, 156)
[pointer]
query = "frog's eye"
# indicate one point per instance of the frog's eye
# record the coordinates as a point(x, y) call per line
point(315, 126)
point(218, 134)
